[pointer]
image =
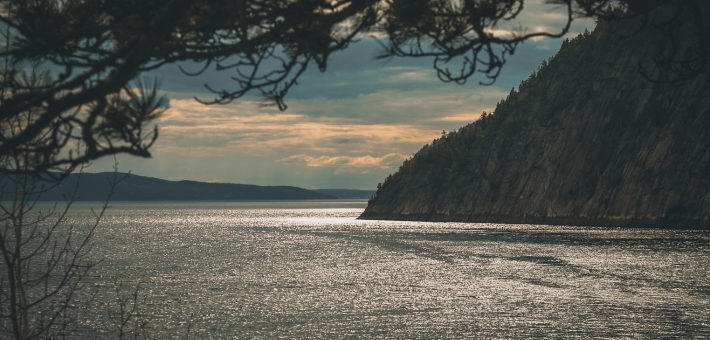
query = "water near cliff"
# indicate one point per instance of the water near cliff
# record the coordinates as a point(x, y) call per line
point(305, 270)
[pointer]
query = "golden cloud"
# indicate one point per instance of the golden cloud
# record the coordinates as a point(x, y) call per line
point(346, 163)
point(222, 130)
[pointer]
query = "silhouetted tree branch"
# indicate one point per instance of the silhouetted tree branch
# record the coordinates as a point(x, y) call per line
point(96, 48)
point(464, 31)
point(44, 260)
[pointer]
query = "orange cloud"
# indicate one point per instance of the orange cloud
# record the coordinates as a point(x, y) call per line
point(346, 163)
point(222, 130)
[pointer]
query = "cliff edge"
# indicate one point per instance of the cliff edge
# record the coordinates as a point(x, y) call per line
point(586, 140)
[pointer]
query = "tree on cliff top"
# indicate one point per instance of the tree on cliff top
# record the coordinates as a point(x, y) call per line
point(98, 47)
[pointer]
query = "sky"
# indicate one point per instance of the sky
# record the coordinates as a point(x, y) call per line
point(348, 127)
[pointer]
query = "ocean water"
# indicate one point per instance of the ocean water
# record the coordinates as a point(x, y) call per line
point(311, 270)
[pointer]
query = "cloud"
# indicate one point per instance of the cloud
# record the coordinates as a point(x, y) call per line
point(399, 106)
point(462, 118)
point(345, 164)
point(349, 135)
point(389, 122)
point(357, 120)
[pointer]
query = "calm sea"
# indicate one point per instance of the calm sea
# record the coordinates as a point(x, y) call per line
point(311, 270)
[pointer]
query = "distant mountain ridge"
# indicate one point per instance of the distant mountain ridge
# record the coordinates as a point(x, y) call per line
point(586, 140)
point(95, 187)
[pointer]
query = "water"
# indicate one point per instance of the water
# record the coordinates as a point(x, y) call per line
point(304, 270)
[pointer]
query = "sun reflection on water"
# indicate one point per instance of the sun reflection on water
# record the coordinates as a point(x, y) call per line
point(311, 269)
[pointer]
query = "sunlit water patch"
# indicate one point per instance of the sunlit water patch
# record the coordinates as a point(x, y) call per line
point(312, 270)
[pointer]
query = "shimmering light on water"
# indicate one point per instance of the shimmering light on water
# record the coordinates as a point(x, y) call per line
point(311, 270)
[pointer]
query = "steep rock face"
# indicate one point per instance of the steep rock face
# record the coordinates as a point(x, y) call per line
point(585, 141)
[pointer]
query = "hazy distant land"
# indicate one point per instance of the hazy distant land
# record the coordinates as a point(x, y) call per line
point(95, 187)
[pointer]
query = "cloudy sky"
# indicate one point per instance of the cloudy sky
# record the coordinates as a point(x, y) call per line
point(348, 127)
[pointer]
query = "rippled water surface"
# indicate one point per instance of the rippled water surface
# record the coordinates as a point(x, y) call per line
point(311, 270)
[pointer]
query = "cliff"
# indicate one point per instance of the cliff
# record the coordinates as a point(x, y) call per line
point(586, 140)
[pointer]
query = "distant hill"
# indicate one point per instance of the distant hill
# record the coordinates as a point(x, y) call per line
point(347, 193)
point(95, 187)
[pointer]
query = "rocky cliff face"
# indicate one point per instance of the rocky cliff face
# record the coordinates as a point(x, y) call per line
point(585, 141)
